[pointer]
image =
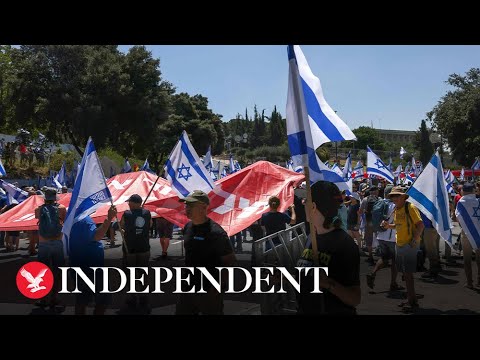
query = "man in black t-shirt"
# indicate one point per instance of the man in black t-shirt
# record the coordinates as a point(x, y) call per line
point(274, 221)
point(337, 251)
point(206, 245)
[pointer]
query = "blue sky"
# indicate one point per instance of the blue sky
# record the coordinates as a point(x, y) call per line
point(391, 86)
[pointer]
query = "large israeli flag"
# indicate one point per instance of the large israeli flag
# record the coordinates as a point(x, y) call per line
point(468, 215)
point(375, 166)
point(185, 171)
point(429, 195)
point(89, 193)
point(311, 122)
point(15, 195)
point(3, 172)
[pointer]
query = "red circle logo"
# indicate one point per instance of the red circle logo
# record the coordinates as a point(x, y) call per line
point(34, 280)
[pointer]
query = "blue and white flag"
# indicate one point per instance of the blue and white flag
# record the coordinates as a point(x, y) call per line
point(89, 193)
point(126, 167)
point(290, 165)
point(347, 169)
point(185, 171)
point(237, 166)
point(408, 178)
point(468, 215)
point(390, 165)
point(311, 122)
point(462, 174)
point(232, 165)
point(3, 172)
point(450, 179)
point(225, 171)
point(146, 167)
point(207, 160)
point(15, 195)
point(397, 172)
point(358, 169)
point(429, 195)
point(402, 152)
point(476, 164)
point(215, 173)
point(61, 178)
point(337, 169)
point(375, 166)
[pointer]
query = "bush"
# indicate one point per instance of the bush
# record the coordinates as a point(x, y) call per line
point(58, 157)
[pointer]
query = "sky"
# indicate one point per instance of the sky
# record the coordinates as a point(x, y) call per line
point(387, 86)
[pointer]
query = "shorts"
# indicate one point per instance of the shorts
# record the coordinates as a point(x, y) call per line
point(50, 253)
point(406, 258)
point(164, 228)
point(387, 249)
point(87, 295)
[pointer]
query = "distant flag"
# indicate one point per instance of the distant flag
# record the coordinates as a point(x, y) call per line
point(61, 178)
point(397, 172)
point(311, 122)
point(15, 195)
point(3, 172)
point(347, 169)
point(375, 166)
point(476, 164)
point(224, 171)
point(409, 178)
point(237, 166)
point(462, 174)
point(407, 168)
point(468, 215)
point(450, 179)
point(337, 169)
point(126, 167)
point(390, 165)
point(290, 165)
point(89, 193)
point(146, 167)
point(232, 165)
point(185, 171)
point(327, 163)
point(207, 159)
point(215, 173)
point(429, 195)
point(402, 152)
point(418, 167)
point(358, 169)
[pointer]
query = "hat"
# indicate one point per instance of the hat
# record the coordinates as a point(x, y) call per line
point(468, 187)
point(50, 194)
point(373, 188)
point(135, 198)
point(327, 197)
point(398, 190)
point(355, 196)
point(196, 196)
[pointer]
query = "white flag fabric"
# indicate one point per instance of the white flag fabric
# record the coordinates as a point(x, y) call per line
point(89, 193)
point(3, 172)
point(207, 159)
point(61, 178)
point(450, 179)
point(358, 169)
point(232, 165)
point(468, 215)
point(185, 171)
point(347, 169)
point(311, 122)
point(462, 174)
point(146, 167)
point(397, 172)
point(375, 166)
point(402, 152)
point(337, 169)
point(15, 195)
point(126, 167)
point(429, 195)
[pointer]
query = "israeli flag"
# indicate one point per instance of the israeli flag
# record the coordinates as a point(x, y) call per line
point(215, 173)
point(311, 122)
point(476, 164)
point(237, 166)
point(232, 165)
point(390, 165)
point(347, 169)
point(15, 195)
point(402, 152)
point(410, 179)
point(358, 169)
point(407, 168)
point(89, 193)
point(429, 195)
point(185, 171)
point(468, 215)
point(337, 169)
point(450, 179)
point(290, 165)
point(398, 171)
point(146, 167)
point(375, 166)
point(126, 167)
point(224, 171)
point(207, 160)
point(462, 174)
point(61, 178)
point(3, 172)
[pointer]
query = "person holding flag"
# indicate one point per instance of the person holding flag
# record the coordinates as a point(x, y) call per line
point(468, 216)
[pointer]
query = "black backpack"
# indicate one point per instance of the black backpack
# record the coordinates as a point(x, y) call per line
point(49, 224)
point(371, 200)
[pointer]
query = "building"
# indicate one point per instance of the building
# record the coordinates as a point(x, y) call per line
point(397, 136)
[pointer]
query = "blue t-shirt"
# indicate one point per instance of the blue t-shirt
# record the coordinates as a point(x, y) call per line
point(85, 251)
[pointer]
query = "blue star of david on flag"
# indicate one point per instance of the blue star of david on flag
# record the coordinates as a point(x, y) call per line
point(180, 172)
point(380, 164)
point(476, 212)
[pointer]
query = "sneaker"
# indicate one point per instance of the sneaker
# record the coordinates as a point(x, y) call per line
point(164, 255)
point(396, 287)
point(371, 280)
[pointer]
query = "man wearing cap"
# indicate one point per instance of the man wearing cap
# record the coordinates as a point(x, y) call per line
point(135, 224)
point(206, 245)
point(409, 227)
point(467, 202)
point(352, 219)
point(51, 216)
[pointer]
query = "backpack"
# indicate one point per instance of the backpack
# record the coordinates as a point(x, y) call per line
point(371, 200)
point(49, 223)
point(379, 213)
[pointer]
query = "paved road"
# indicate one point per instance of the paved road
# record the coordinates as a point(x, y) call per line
point(446, 295)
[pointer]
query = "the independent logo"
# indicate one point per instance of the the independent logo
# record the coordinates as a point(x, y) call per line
point(34, 280)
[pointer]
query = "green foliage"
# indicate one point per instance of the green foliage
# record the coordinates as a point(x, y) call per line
point(323, 153)
point(457, 116)
point(366, 136)
point(58, 157)
point(362, 155)
point(423, 144)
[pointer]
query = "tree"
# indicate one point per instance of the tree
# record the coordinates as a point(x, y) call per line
point(367, 136)
point(278, 132)
point(457, 115)
point(423, 143)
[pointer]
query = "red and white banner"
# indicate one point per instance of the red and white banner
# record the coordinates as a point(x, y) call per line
point(236, 201)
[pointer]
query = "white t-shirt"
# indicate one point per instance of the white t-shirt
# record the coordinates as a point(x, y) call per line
point(389, 234)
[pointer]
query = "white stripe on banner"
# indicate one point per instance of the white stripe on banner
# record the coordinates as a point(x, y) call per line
point(429, 195)
point(468, 215)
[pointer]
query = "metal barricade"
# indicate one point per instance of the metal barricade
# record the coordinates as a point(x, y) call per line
point(285, 254)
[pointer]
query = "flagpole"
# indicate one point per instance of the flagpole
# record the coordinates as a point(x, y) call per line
point(144, 201)
point(313, 237)
point(111, 203)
